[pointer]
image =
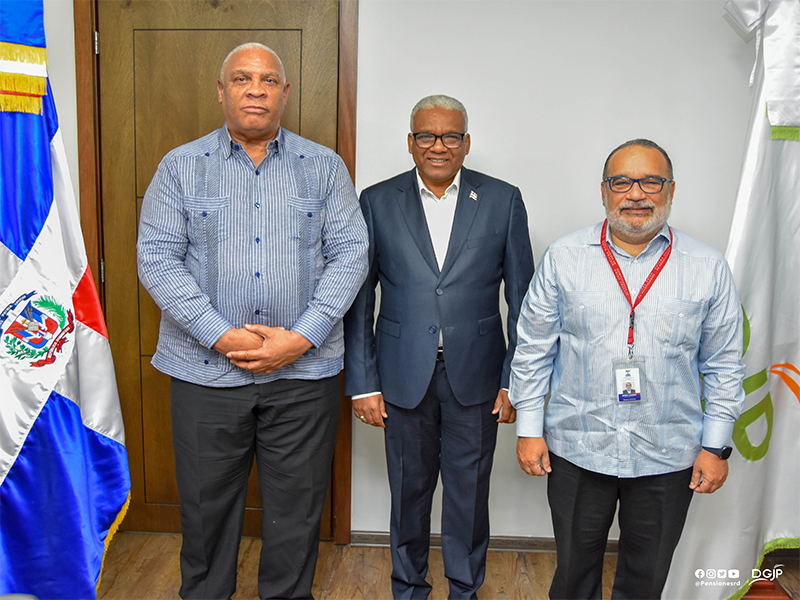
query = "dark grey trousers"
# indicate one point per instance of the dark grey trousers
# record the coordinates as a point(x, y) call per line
point(290, 427)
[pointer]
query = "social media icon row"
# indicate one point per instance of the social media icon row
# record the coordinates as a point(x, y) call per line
point(716, 573)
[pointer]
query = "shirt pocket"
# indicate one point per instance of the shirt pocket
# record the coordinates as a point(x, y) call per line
point(204, 216)
point(307, 216)
point(584, 315)
point(206, 232)
point(679, 323)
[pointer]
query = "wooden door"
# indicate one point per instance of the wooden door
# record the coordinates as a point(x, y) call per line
point(158, 65)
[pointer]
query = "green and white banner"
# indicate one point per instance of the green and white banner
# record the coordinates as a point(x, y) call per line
point(728, 533)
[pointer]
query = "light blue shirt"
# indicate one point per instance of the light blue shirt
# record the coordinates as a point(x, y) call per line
point(574, 323)
point(224, 242)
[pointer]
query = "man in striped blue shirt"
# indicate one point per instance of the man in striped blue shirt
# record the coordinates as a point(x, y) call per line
point(253, 245)
point(621, 320)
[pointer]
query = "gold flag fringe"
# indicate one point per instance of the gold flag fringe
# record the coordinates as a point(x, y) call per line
point(25, 54)
point(23, 104)
point(111, 532)
point(25, 84)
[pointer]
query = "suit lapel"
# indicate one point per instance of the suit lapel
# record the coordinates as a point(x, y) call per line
point(466, 209)
point(414, 215)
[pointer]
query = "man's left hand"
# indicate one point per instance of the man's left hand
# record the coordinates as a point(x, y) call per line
point(709, 473)
point(279, 348)
point(502, 406)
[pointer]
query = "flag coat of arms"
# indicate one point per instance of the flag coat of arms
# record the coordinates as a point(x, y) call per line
point(64, 479)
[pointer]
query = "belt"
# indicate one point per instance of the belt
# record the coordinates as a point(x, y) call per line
point(440, 355)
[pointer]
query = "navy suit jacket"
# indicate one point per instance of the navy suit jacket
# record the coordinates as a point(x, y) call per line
point(489, 243)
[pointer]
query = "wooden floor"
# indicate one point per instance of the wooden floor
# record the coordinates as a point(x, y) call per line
point(144, 566)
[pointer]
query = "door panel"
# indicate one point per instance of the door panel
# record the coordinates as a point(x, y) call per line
point(158, 455)
point(159, 62)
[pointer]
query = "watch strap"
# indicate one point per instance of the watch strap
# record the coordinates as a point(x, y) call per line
point(723, 452)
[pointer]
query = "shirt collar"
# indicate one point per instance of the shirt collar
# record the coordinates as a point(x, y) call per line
point(228, 145)
point(423, 189)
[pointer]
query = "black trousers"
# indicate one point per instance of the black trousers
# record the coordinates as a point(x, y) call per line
point(652, 511)
point(440, 435)
point(290, 427)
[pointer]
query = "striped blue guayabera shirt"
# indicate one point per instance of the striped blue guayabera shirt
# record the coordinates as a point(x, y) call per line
point(574, 322)
point(224, 242)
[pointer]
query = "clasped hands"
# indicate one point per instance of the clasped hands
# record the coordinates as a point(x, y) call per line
point(262, 349)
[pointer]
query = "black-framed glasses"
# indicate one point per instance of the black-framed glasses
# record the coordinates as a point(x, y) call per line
point(649, 185)
point(426, 140)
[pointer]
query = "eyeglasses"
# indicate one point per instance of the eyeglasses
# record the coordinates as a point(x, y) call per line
point(649, 185)
point(426, 140)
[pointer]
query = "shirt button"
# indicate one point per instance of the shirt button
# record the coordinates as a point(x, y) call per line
point(205, 214)
point(581, 307)
point(258, 274)
point(663, 451)
point(680, 315)
point(205, 361)
point(432, 329)
point(310, 214)
point(258, 240)
point(258, 172)
point(439, 291)
point(622, 430)
point(302, 156)
point(258, 204)
point(258, 312)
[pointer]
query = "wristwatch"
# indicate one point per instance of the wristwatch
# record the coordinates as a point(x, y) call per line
point(723, 452)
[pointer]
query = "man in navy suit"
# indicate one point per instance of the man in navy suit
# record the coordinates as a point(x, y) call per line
point(435, 373)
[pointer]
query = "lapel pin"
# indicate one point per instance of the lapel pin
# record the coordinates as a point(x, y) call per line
point(473, 195)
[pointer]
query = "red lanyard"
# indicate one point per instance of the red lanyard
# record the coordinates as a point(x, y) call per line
point(648, 283)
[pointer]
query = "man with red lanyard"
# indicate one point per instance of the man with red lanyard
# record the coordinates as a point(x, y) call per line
point(619, 323)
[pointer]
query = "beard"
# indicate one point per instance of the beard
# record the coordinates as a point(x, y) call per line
point(639, 228)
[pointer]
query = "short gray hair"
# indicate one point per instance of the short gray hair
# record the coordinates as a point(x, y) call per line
point(250, 46)
point(644, 144)
point(439, 101)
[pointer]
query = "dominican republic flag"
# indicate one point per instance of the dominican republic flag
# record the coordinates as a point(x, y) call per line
point(64, 480)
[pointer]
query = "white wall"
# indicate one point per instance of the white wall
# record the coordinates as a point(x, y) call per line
point(551, 87)
point(60, 33)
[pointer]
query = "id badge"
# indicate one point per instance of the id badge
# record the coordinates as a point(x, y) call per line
point(629, 379)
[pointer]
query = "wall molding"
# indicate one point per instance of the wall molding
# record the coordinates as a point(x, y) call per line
point(510, 543)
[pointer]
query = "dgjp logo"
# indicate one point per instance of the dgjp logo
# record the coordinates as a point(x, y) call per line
point(767, 574)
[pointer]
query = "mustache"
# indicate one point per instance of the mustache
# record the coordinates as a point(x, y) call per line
point(630, 204)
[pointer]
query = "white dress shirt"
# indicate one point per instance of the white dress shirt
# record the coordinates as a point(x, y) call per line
point(439, 213)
